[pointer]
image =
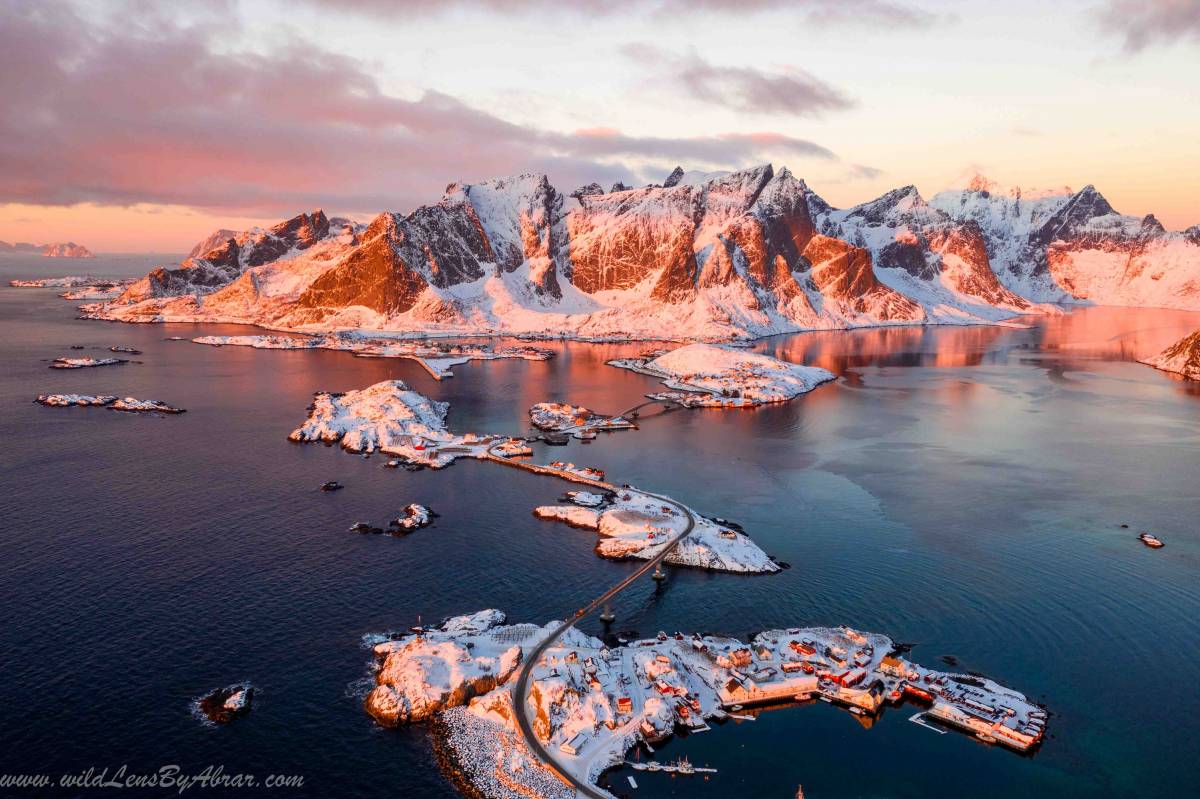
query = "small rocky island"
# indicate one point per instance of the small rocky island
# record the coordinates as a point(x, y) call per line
point(561, 417)
point(223, 705)
point(634, 524)
point(112, 402)
point(85, 363)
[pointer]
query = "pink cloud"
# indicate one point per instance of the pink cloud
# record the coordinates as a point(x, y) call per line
point(790, 91)
point(895, 12)
point(1144, 22)
point(158, 111)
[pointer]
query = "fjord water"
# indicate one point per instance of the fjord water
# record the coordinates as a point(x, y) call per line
point(960, 489)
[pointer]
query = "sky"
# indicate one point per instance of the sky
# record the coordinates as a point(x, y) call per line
point(142, 126)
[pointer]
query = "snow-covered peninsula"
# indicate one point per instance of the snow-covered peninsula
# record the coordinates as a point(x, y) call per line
point(435, 357)
point(1182, 357)
point(709, 375)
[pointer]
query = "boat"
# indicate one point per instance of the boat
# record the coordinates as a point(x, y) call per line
point(684, 766)
point(331, 485)
point(1149, 540)
point(392, 464)
point(858, 711)
point(653, 765)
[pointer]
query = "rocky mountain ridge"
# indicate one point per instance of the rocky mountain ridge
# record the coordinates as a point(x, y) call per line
point(701, 256)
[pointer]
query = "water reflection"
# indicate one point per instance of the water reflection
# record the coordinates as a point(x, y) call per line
point(1068, 340)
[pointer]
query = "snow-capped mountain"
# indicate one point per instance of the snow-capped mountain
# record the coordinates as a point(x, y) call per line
point(1062, 246)
point(701, 256)
point(212, 242)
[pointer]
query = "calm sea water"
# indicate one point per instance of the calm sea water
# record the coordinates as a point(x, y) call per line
point(960, 489)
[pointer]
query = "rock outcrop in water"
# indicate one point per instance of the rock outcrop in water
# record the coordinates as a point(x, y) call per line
point(1182, 357)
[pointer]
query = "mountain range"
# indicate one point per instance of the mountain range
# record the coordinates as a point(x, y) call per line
point(66, 249)
point(701, 256)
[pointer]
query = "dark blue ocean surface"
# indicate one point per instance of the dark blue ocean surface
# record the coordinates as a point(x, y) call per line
point(960, 489)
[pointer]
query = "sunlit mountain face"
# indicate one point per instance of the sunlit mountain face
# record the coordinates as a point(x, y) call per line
point(703, 256)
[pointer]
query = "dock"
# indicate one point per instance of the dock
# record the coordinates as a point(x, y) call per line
point(670, 768)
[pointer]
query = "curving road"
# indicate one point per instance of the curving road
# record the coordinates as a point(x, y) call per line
point(521, 687)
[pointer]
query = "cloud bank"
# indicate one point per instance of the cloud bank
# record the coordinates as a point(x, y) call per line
point(1144, 23)
point(156, 110)
point(790, 91)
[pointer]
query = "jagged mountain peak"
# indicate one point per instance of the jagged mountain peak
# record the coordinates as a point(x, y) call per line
point(673, 178)
point(895, 204)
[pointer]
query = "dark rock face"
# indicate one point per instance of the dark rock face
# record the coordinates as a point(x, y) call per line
point(588, 190)
point(906, 255)
point(880, 211)
point(673, 178)
point(1067, 224)
point(1193, 234)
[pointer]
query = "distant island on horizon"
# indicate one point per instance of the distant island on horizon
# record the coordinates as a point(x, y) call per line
point(64, 249)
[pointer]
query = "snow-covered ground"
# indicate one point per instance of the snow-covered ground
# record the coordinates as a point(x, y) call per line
point(437, 358)
point(414, 517)
point(1182, 357)
point(66, 400)
point(590, 704)
point(728, 377)
point(68, 282)
point(84, 363)
point(562, 417)
point(92, 293)
point(634, 524)
point(128, 404)
point(389, 417)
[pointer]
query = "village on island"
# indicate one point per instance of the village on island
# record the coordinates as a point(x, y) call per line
point(590, 704)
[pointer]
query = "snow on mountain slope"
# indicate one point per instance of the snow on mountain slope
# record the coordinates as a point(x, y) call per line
point(1062, 245)
point(922, 253)
point(1182, 357)
point(214, 241)
point(703, 256)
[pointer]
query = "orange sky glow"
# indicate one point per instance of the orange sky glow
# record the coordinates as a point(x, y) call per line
point(157, 131)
